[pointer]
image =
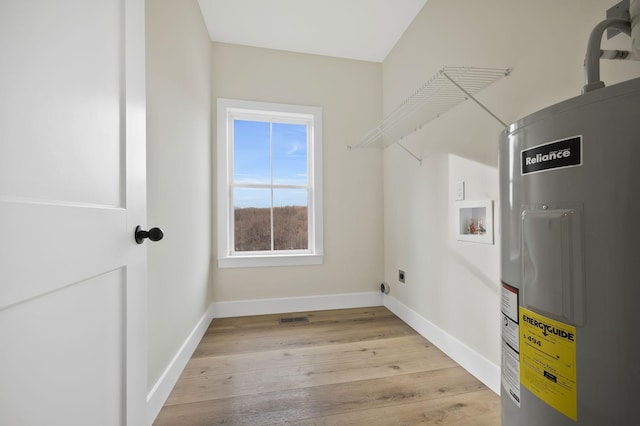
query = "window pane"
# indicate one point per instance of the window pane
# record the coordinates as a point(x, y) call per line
point(289, 153)
point(251, 146)
point(290, 219)
point(252, 216)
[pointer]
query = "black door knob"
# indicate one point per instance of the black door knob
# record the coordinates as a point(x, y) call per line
point(154, 234)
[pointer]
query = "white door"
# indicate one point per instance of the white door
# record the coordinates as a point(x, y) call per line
point(72, 190)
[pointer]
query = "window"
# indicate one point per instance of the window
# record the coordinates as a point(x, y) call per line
point(269, 184)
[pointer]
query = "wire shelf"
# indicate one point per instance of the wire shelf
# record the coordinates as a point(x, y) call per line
point(443, 91)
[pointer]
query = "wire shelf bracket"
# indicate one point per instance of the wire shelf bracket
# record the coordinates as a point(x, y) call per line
point(447, 88)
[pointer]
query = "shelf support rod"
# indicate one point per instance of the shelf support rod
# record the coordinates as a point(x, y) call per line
point(409, 152)
point(474, 99)
point(399, 143)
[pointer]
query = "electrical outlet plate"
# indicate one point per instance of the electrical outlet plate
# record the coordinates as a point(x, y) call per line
point(401, 275)
point(460, 191)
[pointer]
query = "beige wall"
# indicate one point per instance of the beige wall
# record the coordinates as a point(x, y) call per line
point(349, 93)
point(179, 175)
point(452, 284)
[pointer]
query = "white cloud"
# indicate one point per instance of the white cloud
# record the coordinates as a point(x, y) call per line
point(295, 147)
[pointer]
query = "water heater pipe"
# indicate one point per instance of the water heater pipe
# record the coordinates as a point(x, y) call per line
point(634, 12)
point(592, 59)
point(619, 55)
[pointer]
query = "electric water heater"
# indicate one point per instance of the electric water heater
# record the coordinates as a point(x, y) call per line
point(570, 272)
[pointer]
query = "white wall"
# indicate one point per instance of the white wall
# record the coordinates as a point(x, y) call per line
point(179, 176)
point(455, 285)
point(349, 93)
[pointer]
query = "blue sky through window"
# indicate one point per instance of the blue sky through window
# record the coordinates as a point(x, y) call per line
point(257, 146)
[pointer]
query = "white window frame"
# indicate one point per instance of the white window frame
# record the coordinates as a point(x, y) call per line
point(230, 109)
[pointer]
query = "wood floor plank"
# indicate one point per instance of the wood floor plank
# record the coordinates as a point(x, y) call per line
point(256, 340)
point(209, 387)
point(272, 320)
point(255, 361)
point(344, 367)
point(321, 401)
point(480, 408)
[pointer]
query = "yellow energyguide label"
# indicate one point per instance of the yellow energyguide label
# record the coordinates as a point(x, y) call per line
point(548, 361)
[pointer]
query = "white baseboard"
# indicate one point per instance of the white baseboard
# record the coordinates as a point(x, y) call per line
point(483, 369)
point(295, 304)
point(163, 387)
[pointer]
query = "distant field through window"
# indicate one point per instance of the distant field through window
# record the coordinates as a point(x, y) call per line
point(269, 189)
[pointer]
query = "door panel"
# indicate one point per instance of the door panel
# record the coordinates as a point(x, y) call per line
point(81, 328)
point(57, 245)
point(72, 190)
point(62, 86)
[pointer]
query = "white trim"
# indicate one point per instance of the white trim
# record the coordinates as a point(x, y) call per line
point(158, 395)
point(266, 261)
point(295, 304)
point(226, 110)
point(483, 369)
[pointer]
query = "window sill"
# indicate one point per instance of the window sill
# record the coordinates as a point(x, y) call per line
point(270, 260)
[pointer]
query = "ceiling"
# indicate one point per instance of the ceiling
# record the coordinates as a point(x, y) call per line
point(355, 29)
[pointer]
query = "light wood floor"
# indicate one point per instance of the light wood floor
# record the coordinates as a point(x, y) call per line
point(342, 367)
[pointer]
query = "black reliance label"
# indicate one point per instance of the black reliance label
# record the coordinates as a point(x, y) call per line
point(552, 155)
